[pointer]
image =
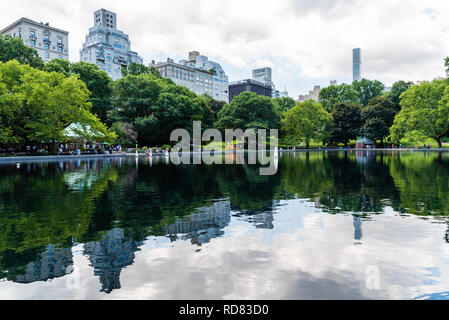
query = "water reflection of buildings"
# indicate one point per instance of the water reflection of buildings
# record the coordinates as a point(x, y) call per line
point(109, 256)
point(357, 228)
point(50, 264)
point(263, 218)
point(116, 251)
point(365, 156)
point(202, 226)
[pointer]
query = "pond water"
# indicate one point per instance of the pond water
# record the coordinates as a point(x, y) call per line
point(335, 225)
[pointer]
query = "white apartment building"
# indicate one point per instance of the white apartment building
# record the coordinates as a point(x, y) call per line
point(198, 74)
point(196, 80)
point(107, 47)
point(220, 90)
point(50, 42)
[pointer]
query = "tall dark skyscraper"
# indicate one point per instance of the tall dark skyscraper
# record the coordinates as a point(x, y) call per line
point(356, 64)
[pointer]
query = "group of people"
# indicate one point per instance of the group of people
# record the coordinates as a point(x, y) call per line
point(423, 147)
point(64, 150)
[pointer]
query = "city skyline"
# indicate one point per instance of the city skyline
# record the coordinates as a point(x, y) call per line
point(404, 40)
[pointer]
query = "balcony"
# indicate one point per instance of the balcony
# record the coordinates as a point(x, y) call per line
point(33, 36)
point(47, 40)
point(122, 61)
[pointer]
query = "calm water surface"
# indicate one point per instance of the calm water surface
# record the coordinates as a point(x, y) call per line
point(327, 226)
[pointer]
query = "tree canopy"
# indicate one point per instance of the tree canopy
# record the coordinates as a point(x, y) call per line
point(377, 118)
point(397, 90)
point(368, 89)
point(98, 83)
point(425, 110)
point(331, 96)
point(284, 103)
point(155, 107)
point(347, 122)
point(249, 111)
point(307, 121)
point(135, 69)
point(14, 49)
point(37, 106)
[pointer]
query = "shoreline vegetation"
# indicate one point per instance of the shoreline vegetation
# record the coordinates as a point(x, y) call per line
point(71, 106)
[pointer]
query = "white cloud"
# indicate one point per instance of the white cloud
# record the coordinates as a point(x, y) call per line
point(305, 42)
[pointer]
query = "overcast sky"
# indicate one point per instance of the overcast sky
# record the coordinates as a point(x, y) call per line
point(305, 42)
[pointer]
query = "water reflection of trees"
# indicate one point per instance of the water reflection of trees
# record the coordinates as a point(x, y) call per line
point(40, 209)
point(112, 207)
point(423, 183)
point(340, 182)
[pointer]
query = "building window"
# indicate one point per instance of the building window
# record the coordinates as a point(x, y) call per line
point(46, 46)
point(47, 55)
point(60, 49)
point(32, 35)
point(33, 43)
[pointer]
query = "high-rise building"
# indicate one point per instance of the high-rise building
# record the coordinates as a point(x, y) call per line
point(356, 64)
point(199, 74)
point(264, 75)
point(313, 94)
point(220, 90)
point(50, 42)
point(107, 47)
point(238, 87)
point(196, 80)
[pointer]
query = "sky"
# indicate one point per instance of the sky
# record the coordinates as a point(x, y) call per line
point(305, 42)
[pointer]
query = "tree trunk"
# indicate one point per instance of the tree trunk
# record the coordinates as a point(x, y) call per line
point(440, 144)
point(53, 147)
point(307, 145)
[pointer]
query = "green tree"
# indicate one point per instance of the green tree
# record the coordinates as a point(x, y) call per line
point(347, 123)
point(211, 109)
point(446, 64)
point(134, 96)
point(58, 65)
point(307, 121)
point(38, 106)
point(284, 103)
point(249, 111)
point(368, 89)
point(135, 69)
point(98, 83)
point(171, 112)
point(396, 91)
point(331, 96)
point(377, 118)
point(425, 110)
point(14, 49)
